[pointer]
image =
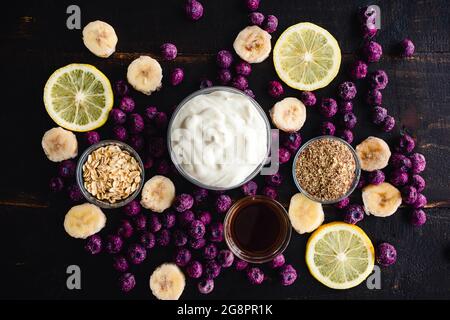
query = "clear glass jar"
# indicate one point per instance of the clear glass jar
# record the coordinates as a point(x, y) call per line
point(206, 91)
point(79, 174)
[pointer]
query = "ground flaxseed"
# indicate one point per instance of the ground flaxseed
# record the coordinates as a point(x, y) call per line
point(326, 169)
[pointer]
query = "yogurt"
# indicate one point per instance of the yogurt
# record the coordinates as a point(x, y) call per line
point(219, 138)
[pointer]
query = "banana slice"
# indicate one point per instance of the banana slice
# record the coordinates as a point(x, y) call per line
point(288, 115)
point(305, 215)
point(145, 74)
point(158, 194)
point(100, 38)
point(252, 44)
point(59, 144)
point(84, 220)
point(373, 154)
point(167, 282)
point(381, 200)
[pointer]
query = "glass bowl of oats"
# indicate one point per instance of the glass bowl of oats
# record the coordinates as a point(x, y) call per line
point(110, 174)
point(326, 169)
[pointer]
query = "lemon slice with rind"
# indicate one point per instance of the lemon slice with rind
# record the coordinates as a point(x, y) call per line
point(306, 57)
point(340, 255)
point(78, 97)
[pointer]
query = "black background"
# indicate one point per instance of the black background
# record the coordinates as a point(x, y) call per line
point(35, 250)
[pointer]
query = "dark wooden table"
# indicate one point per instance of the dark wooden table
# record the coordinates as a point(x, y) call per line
point(35, 251)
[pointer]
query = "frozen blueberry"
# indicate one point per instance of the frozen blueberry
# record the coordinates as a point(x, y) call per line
point(342, 204)
point(140, 221)
point(223, 203)
point(378, 80)
point(243, 68)
point(398, 178)
point(67, 168)
point(168, 219)
point(154, 224)
point(327, 128)
point(182, 257)
point(163, 238)
point(255, 275)
point(224, 76)
point(400, 161)
point(137, 142)
point(288, 275)
point(369, 30)
point(372, 51)
point(250, 188)
point(185, 218)
point(157, 147)
point(277, 262)
point(225, 258)
point(205, 83)
point(274, 180)
point(354, 213)
point(292, 141)
point(367, 14)
point(271, 24)
point(308, 98)
point(386, 254)
point(224, 59)
point(121, 88)
point(420, 202)
point(194, 10)
point(240, 82)
point(407, 48)
point(212, 269)
point(346, 135)
point(275, 89)
point(127, 104)
point(176, 76)
point(197, 244)
point(120, 263)
point(161, 120)
point(358, 70)
point(183, 202)
point(133, 208)
point(200, 195)
point(405, 144)
point(252, 5)
point(409, 194)
point(147, 239)
point(240, 265)
point(74, 193)
point(163, 167)
point(205, 217)
point(388, 124)
point(120, 133)
point(150, 113)
point(375, 177)
point(347, 90)
point(270, 192)
point(418, 217)
point(418, 162)
point(179, 238)
point(362, 182)
point(114, 243)
point(374, 97)
point(125, 229)
point(348, 120)
point(250, 93)
point(136, 123)
point(328, 107)
point(345, 106)
point(284, 155)
point(205, 286)
point(210, 251)
point(169, 51)
point(56, 184)
point(418, 182)
point(94, 244)
point(194, 269)
point(379, 114)
point(92, 137)
point(127, 282)
point(216, 232)
point(256, 18)
point(196, 229)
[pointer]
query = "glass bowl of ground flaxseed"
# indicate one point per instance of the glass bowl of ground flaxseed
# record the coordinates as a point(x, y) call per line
point(326, 169)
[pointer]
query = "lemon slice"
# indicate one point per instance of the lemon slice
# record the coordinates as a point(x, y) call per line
point(78, 97)
point(340, 255)
point(306, 57)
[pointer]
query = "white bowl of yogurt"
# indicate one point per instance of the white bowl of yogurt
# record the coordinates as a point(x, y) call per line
point(219, 138)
